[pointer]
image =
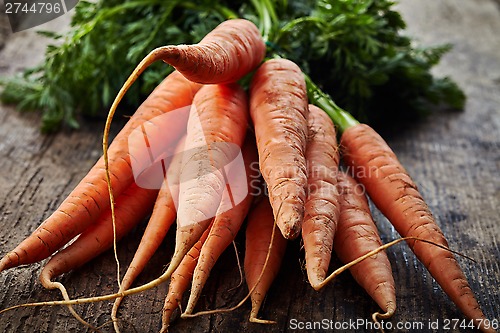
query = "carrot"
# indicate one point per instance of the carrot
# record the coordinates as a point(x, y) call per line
point(88, 200)
point(278, 107)
point(322, 207)
point(180, 280)
point(134, 204)
point(216, 129)
point(226, 54)
point(356, 235)
point(375, 165)
point(223, 111)
point(163, 216)
point(229, 52)
point(262, 244)
point(225, 227)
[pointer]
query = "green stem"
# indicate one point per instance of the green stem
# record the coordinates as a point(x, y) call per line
point(296, 22)
point(267, 15)
point(341, 118)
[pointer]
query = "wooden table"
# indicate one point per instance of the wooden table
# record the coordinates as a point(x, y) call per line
point(453, 157)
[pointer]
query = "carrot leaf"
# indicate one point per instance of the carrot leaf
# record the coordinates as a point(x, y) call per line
point(355, 51)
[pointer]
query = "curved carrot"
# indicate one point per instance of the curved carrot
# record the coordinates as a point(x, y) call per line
point(278, 107)
point(322, 207)
point(375, 165)
point(163, 216)
point(216, 131)
point(226, 54)
point(229, 52)
point(180, 280)
point(224, 229)
point(260, 241)
point(89, 199)
point(356, 235)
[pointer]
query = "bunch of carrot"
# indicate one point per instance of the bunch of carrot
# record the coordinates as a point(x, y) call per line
point(201, 185)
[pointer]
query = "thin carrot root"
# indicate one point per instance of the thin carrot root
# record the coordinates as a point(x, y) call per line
point(147, 286)
point(385, 315)
point(253, 319)
point(384, 247)
point(47, 283)
point(391, 309)
point(240, 268)
point(165, 276)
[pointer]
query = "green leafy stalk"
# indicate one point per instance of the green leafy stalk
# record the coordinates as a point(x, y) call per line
point(355, 50)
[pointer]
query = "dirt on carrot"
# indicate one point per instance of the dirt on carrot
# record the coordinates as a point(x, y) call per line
point(322, 206)
point(225, 226)
point(356, 235)
point(279, 111)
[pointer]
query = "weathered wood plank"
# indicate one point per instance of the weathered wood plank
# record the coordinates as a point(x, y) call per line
point(453, 157)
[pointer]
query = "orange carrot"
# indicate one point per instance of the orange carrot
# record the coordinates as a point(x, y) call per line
point(278, 107)
point(163, 216)
point(262, 256)
point(179, 283)
point(89, 199)
point(180, 280)
point(226, 54)
point(216, 131)
point(222, 109)
point(225, 227)
point(356, 235)
point(375, 165)
point(134, 204)
point(322, 205)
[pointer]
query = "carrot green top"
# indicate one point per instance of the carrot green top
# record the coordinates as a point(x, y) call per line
point(341, 118)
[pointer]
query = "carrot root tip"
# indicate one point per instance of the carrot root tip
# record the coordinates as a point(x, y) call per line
point(48, 284)
point(391, 309)
point(254, 319)
point(5, 263)
point(316, 280)
point(386, 315)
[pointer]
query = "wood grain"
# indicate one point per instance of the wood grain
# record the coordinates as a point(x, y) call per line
point(453, 157)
